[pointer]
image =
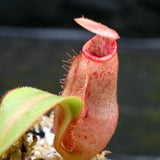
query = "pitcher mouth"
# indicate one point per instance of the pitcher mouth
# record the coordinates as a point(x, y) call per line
point(100, 48)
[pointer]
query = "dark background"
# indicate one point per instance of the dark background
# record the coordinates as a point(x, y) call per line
point(132, 18)
point(35, 36)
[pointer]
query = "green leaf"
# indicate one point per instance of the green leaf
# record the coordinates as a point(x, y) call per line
point(20, 108)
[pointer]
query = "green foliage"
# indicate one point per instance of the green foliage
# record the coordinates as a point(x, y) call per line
point(20, 108)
